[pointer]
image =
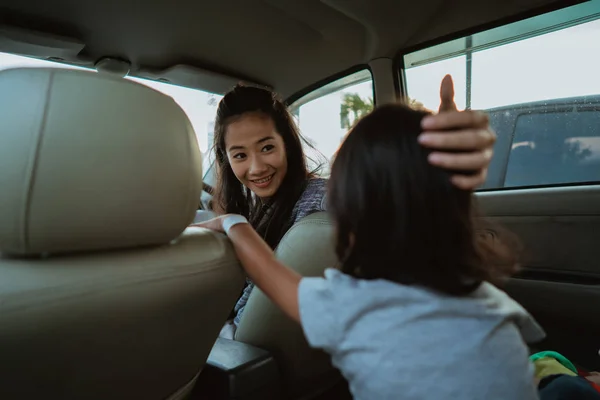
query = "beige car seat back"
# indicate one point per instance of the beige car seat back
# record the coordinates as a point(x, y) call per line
point(104, 293)
point(308, 248)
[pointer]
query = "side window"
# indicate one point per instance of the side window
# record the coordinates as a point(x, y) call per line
point(538, 80)
point(553, 148)
point(199, 106)
point(325, 115)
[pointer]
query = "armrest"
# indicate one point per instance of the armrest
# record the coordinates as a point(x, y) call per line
point(236, 370)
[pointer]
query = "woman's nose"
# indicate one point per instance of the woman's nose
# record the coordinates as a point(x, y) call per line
point(257, 167)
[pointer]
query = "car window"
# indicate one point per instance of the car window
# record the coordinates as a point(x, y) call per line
point(550, 149)
point(538, 79)
point(199, 106)
point(325, 115)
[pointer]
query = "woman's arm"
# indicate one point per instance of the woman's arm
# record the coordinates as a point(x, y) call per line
point(278, 282)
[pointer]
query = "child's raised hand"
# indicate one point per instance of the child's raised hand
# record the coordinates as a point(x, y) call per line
point(465, 131)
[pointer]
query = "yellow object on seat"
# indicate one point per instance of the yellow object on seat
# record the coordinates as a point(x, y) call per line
point(549, 366)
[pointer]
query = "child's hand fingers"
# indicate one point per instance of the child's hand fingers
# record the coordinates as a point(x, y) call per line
point(471, 139)
point(456, 119)
point(475, 161)
point(214, 224)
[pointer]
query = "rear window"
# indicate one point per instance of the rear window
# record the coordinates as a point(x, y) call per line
point(539, 80)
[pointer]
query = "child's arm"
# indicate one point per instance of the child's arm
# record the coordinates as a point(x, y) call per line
point(278, 282)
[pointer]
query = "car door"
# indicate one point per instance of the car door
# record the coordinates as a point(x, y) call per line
point(537, 78)
point(555, 145)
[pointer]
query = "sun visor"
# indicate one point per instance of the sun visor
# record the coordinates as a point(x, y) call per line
point(187, 75)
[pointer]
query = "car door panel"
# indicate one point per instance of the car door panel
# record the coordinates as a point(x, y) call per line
point(560, 283)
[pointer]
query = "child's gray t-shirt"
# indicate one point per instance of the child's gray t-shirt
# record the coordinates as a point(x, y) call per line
point(393, 341)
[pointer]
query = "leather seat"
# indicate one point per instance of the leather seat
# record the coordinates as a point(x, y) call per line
point(308, 248)
point(104, 293)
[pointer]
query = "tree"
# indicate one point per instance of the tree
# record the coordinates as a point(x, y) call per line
point(354, 106)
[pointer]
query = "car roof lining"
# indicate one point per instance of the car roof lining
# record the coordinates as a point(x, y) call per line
point(212, 45)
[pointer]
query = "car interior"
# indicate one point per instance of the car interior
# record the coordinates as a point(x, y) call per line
point(106, 123)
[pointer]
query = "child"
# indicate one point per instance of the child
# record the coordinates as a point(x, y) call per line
point(410, 313)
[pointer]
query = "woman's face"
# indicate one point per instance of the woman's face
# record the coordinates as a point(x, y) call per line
point(256, 153)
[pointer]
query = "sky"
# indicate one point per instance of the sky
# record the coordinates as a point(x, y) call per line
point(560, 64)
point(556, 65)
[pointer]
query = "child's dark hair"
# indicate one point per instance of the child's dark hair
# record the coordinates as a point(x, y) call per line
point(400, 218)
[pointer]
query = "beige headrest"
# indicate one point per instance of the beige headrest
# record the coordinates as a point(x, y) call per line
point(91, 162)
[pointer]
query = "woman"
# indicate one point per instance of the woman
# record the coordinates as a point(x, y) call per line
point(262, 171)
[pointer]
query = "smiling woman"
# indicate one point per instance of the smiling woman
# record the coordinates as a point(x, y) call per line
point(256, 153)
point(262, 170)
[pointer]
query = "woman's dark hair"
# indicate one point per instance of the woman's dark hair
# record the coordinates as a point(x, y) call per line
point(273, 218)
point(400, 218)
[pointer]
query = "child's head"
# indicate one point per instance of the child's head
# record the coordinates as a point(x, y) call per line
point(400, 218)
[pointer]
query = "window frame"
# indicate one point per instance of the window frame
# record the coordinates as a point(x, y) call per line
point(334, 83)
point(498, 26)
point(291, 101)
point(535, 12)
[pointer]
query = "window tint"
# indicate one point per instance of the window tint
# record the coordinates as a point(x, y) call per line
point(199, 106)
point(554, 148)
point(538, 79)
point(325, 115)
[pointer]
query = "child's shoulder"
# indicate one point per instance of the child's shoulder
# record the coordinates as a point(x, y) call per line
point(354, 295)
point(339, 312)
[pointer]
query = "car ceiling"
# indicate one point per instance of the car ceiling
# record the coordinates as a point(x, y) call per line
point(285, 44)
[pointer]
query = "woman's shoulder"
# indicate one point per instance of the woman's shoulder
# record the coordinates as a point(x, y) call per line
point(312, 200)
point(316, 185)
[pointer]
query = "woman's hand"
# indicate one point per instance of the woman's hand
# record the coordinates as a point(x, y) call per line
point(465, 131)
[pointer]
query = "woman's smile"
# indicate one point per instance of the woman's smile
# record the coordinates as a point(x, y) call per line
point(263, 183)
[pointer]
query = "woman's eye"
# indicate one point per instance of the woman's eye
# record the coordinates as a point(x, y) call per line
point(268, 147)
point(239, 156)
